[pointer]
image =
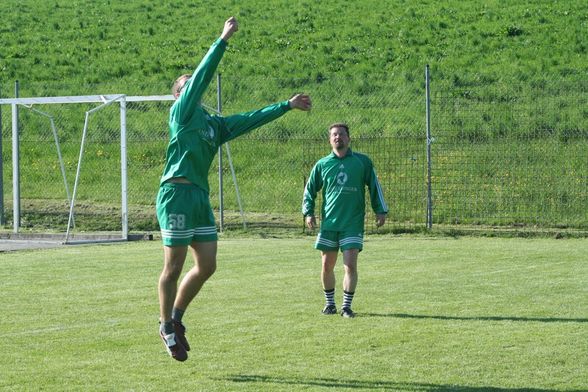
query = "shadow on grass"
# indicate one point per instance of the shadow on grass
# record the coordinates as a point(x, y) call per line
point(375, 385)
point(479, 318)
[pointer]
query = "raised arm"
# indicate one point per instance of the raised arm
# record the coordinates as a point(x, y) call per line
point(190, 94)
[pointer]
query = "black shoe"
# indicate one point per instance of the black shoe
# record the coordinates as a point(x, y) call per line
point(180, 331)
point(175, 349)
point(330, 309)
point(347, 313)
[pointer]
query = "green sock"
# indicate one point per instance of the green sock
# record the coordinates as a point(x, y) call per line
point(177, 314)
point(167, 327)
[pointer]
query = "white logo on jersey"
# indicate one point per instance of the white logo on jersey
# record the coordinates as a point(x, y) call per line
point(208, 135)
point(341, 178)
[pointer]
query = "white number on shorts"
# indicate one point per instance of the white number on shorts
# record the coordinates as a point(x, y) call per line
point(177, 221)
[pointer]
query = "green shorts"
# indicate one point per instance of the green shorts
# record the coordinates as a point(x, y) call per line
point(184, 214)
point(334, 240)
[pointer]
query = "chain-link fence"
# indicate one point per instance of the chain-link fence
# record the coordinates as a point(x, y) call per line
point(502, 155)
point(511, 155)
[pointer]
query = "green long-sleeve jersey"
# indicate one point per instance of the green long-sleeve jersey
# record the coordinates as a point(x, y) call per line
point(343, 182)
point(195, 135)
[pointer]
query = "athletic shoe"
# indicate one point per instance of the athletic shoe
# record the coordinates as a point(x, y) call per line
point(181, 334)
point(329, 309)
point(175, 349)
point(347, 313)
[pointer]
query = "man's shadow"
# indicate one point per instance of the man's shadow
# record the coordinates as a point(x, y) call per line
point(476, 318)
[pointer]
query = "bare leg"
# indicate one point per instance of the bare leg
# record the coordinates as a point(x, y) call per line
point(204, 255)
point(328, 272)
point(350, 264)
point(174, 257)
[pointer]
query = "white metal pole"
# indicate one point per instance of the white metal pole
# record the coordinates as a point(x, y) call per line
point(123, 167)
point(2, 222)
point(106, 102)
point(236, 185)
point(15, 171)
point(221, 205)
point(429, 141)
point(75, 188)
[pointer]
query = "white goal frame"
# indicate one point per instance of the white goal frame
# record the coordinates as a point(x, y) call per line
point(103, 101)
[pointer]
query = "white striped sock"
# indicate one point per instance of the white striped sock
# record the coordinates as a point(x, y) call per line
point(347, 298)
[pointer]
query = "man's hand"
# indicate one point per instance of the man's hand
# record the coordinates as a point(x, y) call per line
point(380, 219)
point(231, 26)
point(300, 101)
point(311, 222)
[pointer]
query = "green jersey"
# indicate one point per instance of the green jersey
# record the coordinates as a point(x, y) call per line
point(195, 135)
point(343, 182)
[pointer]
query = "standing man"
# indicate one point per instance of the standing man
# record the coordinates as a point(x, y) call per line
point(183, 207)
point(342, 175)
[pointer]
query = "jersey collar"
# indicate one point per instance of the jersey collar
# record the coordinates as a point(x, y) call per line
point(348, 154)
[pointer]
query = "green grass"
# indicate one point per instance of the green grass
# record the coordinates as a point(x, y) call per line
point(434, 314)
point(145, 44)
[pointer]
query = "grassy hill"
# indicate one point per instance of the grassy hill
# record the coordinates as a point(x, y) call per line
point(510, 109)
point(69, 47)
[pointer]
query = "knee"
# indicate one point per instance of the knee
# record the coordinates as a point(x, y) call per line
point(171, 273)
point(207, 270)
point(328, 266)
point(351, 268)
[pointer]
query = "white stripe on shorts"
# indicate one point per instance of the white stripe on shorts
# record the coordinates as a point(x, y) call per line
point(177, 234)
point(205, 230)
point(326, 242)
point(351, 240)
point(184, 234)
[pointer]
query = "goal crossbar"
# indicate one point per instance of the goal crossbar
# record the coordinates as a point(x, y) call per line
point(102, 100)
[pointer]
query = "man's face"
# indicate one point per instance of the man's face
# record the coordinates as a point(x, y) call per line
point(338, 138)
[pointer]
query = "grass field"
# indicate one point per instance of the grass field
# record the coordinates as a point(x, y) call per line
point(434, 314)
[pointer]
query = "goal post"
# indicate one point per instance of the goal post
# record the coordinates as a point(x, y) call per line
point(124, 211)
point(103, 101)
point(89, 197)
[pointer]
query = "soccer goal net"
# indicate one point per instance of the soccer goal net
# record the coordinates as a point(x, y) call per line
point(83, 166)
point(84, 180)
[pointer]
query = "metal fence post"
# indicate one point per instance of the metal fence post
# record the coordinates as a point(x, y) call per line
point(15, 163)
point(429, 140)
point(220, 160)
point(123, 168)
point(2, 221)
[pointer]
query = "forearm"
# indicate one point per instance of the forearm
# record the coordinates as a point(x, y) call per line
point(239, 124)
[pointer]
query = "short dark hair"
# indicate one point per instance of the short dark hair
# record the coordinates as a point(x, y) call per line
point(339, 125)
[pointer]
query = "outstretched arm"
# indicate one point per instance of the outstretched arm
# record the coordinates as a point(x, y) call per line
point(239, 124)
